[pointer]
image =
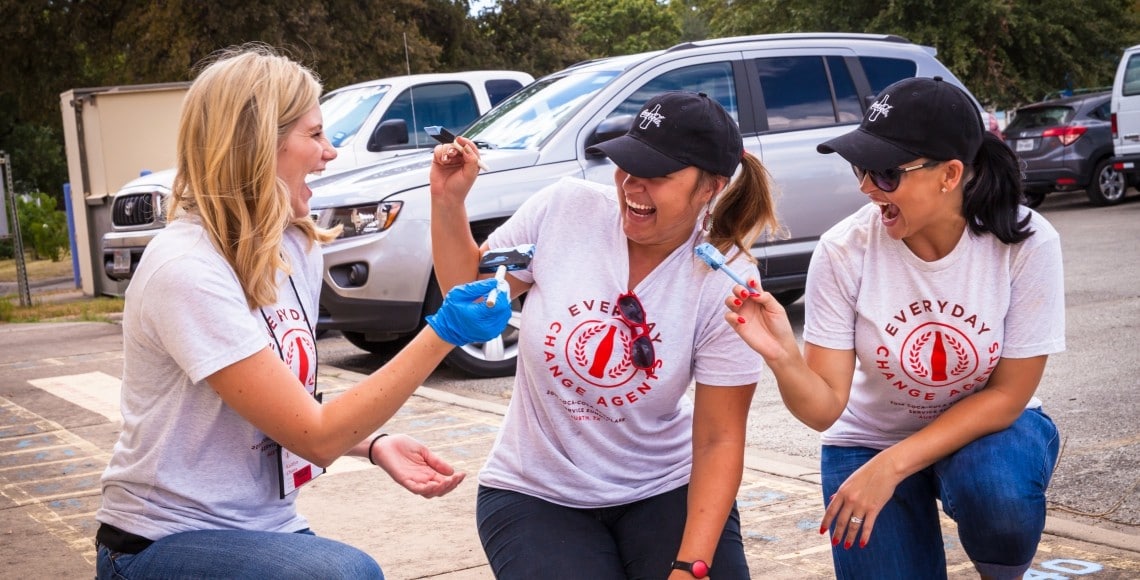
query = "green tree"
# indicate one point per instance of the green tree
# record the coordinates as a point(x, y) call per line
point(613, 27)
point(534, 36)
point(43, 228)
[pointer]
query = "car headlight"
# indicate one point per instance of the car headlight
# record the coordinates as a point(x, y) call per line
point(371, 218)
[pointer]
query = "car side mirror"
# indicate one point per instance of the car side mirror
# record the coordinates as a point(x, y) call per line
point(610, 128)
point(388, 134)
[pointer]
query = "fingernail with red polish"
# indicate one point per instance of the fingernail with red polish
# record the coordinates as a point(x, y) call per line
point(822, 530)
point(740, 319)
point(862, 543)
point(847, 546)
point(737, 302)
point(835, 540)
point(752, 283)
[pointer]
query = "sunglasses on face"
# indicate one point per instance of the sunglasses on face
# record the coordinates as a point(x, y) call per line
point(887, 180)
point(633, 314)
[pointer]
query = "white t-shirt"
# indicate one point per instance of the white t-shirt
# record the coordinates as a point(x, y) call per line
point(185, 460)
point(585, 428)
point(928, 334)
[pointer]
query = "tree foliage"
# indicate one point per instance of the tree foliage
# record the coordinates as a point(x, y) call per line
point(43, 228)
point(613, 27)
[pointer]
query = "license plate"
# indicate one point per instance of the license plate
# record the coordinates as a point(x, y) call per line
point(122, 264)
point(1025, 145)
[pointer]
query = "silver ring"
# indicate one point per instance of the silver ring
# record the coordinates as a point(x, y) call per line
point(856, 520)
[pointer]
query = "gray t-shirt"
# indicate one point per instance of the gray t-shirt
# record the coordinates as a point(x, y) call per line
point(585, 427)
point(928, 334)
point(185, 460)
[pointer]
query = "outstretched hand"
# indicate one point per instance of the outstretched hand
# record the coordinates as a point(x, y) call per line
point(466, 317)
point(762, 322)
point(412, 465)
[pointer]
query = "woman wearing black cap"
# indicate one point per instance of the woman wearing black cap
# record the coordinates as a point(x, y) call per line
point(604, 467)
point(929, 317)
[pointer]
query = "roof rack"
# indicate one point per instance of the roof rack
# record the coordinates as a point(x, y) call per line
point(790, 36)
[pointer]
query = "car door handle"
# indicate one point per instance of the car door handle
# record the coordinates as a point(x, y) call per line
point(1132, 137)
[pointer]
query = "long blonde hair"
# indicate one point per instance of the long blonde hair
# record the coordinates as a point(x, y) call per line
point(234, 118)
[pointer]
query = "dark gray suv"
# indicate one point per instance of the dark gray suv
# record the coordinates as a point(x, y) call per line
point(1066, 144)
point(788, 92)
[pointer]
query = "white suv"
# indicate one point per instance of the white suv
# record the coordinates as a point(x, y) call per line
point(365, 122)
point(788, 92)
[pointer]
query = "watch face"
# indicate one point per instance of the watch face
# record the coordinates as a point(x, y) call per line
point(699, 569)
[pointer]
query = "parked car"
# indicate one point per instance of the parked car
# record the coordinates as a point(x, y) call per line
point(365, 122)
point(1125, 109)
point(1066, 144)
point(788, 92)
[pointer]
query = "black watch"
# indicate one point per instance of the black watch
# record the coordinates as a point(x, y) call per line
point(697, 568)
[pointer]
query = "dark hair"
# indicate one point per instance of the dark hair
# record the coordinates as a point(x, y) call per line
point(992, 198)
point(745, 209)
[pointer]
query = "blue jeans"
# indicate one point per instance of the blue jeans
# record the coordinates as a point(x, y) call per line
point(525, 538)
point(239, 554)
point(993, 488)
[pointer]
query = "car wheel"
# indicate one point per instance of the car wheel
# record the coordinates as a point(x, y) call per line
point(494, 358)
point(383, 347)
point(1107, 186)
point(1033, 198)
point(787, 297)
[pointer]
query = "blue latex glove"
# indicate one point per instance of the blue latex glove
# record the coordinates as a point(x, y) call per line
point(462, 320)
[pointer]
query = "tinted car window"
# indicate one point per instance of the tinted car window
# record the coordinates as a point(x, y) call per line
point(713, 79)
point(797, 94)
point(1102, 111)
point(451, 105)
point(1038, 117)
point(883, 72)
point(1132, 76)
point(846, 97)
point(499, 89)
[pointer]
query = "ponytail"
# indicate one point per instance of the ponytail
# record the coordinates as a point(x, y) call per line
point(745, 210)
point(992, 199)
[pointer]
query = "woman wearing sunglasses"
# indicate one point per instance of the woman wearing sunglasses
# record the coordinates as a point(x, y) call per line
point(604, 467)
point(929, 317)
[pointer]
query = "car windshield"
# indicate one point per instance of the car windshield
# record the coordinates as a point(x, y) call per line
point(1038, 117)
point(344, 111)
point(533, 114)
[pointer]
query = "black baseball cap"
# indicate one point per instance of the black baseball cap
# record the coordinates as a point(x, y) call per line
point(915, 117)
point(675, 130)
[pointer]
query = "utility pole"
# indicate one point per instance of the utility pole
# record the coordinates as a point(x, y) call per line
point(8, 195)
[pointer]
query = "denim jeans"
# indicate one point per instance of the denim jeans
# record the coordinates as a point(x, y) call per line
point(993, 488)
point(239, 554)
point(525, 538)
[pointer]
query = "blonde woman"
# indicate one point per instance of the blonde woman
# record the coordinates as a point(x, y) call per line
point(222, 421)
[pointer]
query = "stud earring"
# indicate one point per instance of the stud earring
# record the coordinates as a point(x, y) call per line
point(943, 190)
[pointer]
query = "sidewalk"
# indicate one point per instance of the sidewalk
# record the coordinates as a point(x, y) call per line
point(52, 454)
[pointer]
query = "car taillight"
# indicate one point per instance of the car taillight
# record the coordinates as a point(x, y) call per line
point(1066, 135)
point(1113, 123)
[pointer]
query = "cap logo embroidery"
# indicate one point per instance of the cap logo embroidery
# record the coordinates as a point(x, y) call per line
point(651, 117)
point(880, 108)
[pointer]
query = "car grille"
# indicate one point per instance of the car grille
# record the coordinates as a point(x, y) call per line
point(135, 209)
